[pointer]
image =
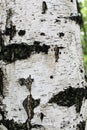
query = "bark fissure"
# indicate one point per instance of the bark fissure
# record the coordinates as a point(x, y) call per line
point(29, 103)
point(56, 50)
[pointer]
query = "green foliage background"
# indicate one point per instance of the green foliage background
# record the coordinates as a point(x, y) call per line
point(83, 10)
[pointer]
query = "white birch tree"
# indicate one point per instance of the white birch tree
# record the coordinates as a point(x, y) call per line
point(42, 84)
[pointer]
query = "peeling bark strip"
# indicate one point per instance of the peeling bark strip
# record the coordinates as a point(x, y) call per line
point(69, 97)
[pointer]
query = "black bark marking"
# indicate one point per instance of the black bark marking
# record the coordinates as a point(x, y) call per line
point(38, 126)
point(12, 125)
point(57, 21)
point(79, 12)
point(64, 124)
point(69, 97)
point(81, 125)
point(28, 106)
point(56, 49)
point(85, 77)
point(2, 112)
point(43, 20)
point(9, 15)
point(51, 76)
point(10, 31)
point(29, 103)
point(21, 81)
point(1, 82)
point(42, 34)
point(1, 42)
point(21, 32)
point(61, 34)
point(77, 18)
point(81, 70)
point(44, 7)
point(28, 83)
point(38, 48)
point(35, 103)
point(42, 116)
point(13, 52)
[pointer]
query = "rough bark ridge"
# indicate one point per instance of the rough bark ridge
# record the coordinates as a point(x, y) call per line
point(42, 85)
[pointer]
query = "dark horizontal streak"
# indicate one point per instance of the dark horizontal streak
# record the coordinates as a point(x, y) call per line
point(13, 52)
point(69, 97)
point(77, 18)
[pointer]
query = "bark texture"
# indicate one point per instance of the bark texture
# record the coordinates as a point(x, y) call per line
point(42, 84)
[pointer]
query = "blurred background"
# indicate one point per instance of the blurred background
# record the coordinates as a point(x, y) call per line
point(83, 11)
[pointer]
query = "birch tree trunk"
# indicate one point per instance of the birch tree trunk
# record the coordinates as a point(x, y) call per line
point(42, 84)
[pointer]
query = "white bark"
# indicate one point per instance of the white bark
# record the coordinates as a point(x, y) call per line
point(50, 76)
